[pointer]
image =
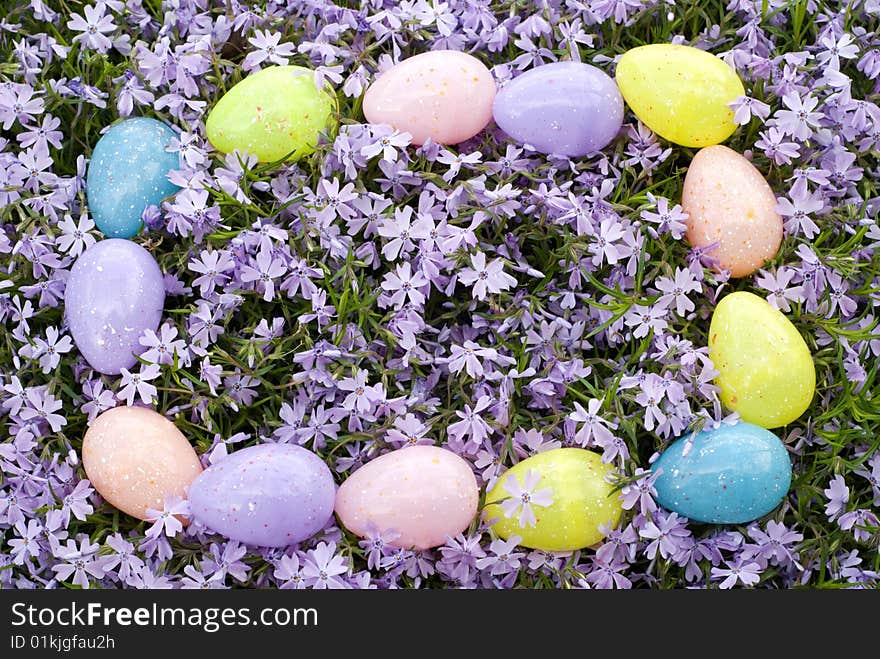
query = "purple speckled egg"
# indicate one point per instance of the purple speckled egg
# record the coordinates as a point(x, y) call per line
point(565, 108)
point(270, 495)
point(115, 291)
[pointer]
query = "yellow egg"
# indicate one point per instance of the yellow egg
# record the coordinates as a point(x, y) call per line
point(679, 92)
point(582, 500)
point(765, 368)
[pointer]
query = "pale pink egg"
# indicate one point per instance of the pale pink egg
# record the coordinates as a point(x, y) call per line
point(730, 203)
point(423, 493)
point(446, 95)
point(136, 458)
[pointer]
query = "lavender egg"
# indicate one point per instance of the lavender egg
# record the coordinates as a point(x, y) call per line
point(114, 293)
point(270, 495)
point(565, 108)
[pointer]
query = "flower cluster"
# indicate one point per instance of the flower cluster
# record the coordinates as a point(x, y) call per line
point(483, 297)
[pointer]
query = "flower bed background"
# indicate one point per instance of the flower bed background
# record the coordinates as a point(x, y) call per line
point(590, 332)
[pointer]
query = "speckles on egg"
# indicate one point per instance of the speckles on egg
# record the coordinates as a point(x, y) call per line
point(136, 458)
point(731, 475)
point(446, 95)
point(583, 501)
point(274, 113)
point(271, 495)
point(765, 369)
point(423, 493)
point(564, 108)
point(114, 293)
point(731, 209)
point(679, 92)
point(128, 171)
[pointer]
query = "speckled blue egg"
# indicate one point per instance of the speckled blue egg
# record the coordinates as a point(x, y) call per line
point(128, 171)
point(731, 475)
point(270, 495)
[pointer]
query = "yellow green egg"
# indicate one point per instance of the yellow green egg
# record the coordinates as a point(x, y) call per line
point(582, 502)
point(766, 371)
point(679, 92)
point(275, 113)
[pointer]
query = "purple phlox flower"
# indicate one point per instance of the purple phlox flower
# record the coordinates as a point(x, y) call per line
point(772, 143)
point(872, 476)
point(647, 319)
point(594, 429)
point(386, 141)
point(531, 442)
point(607, 574)
point(667, 532)
point(167, 520)
point(93, 28)
point(503, 559)
point(26, 546)
point(263, 271)
point(522, 496)
point(800, 119)
point(210, 374)
point(195, 580)
point(837, 493)
point(50, 349)
point(746, 573)
point(42, 407)
point(675, 290)
point(455, 162)
point(775, 543)
point(76, 503)
point(162, 348)
point(468, 356)
point(405, 285)
point(240, 389)
point(362, 397)
point(781, 293)
point(472, 425)
point(835, 48)
point(401, 232)
point(862, 522)
point(459, 557)
point(486, 278)
point(650, 396)
point(408, 430)
point(797, 211)
point(377, 544)
point(226, 558)
point(212, 265)
point(323, 567)
point(745, 107)
point(75, 237)
point(123, 560)
point(288, 570)
point(133, 385)
point(80, 561)
point(268, 48)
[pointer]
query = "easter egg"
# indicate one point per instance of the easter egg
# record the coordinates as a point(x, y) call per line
point(583, 503)
point(277, 112)
point(564, 108)
point(731, 206)
point(128, 171)
point(114, 293)
point(765, 370)
point(730, 475)
point(445, 95)
point(269, 495)
point(679, 92)
point(136, 458)
point(423, 493)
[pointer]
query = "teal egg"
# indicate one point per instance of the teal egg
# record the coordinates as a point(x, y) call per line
point(128, 171)
point(730, 475)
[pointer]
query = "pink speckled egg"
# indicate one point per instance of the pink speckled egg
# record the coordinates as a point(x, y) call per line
point(136, 458)
point(446, 95)
point(731, 205)
point(423, 493)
